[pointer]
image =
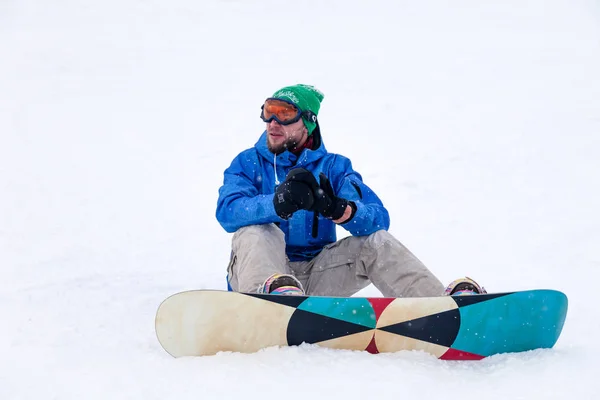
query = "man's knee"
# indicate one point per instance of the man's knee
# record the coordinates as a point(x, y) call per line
point(377, 239)
point(256, 235)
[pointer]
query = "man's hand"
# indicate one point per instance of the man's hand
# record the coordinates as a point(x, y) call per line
point(295, 193)
point(329, 205)
point(300, 191)
point(347, 215)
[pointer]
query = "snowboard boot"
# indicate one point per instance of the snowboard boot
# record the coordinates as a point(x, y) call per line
point(464, 286)
point(282, 284)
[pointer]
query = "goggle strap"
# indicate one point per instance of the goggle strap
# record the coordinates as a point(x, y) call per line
point(311, 116)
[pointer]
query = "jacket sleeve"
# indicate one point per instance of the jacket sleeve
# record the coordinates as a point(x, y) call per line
point(371, 215)
point(240, 203)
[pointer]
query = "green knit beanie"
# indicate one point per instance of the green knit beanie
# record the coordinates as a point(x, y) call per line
point(305, 97)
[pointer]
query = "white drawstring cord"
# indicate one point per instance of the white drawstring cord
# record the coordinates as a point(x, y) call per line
point(275, 169)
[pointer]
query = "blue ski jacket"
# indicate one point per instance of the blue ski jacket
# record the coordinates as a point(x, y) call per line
point(246, 196)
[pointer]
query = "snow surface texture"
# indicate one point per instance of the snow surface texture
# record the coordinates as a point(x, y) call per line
point(477, 123)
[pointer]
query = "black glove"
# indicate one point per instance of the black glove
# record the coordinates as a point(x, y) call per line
point(328, 204)
point(295, 193)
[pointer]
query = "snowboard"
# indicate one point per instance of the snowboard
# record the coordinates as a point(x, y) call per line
point(205, 322)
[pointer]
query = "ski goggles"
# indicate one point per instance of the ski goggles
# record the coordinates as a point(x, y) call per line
point(284, 112)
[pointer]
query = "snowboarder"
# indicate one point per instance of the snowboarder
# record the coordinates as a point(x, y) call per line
point(283, 198)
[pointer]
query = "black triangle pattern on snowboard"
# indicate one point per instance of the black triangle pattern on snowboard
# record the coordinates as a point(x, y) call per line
point(463, 301)
point(311, 328)
point(290, 301)
point(295, 301)
point(440, 329)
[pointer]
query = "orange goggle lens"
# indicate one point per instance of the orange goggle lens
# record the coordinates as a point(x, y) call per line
point(280, 111)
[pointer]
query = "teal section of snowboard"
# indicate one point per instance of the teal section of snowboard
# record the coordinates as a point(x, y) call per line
point(355, 310)
point(532, 319)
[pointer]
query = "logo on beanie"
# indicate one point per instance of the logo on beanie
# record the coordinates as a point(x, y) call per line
point(287, 93)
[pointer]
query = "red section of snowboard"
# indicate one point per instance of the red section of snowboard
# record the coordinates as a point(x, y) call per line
point(372, 347)
point(453, 354)
point(379, 304)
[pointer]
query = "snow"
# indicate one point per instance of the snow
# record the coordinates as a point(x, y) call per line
point(477, 123)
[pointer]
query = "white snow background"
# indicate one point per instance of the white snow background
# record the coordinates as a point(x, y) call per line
point(477, 123)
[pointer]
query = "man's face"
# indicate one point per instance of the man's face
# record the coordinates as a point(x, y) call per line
point(285, 137)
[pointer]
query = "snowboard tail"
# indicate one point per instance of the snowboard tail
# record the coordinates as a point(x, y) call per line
point(205, 322)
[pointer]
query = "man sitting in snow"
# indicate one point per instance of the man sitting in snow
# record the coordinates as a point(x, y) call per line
point(283, 199)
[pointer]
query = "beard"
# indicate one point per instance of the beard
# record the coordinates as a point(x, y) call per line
point(290, 144)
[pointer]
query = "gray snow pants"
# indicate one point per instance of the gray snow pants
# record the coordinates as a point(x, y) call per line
point(341, 269)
